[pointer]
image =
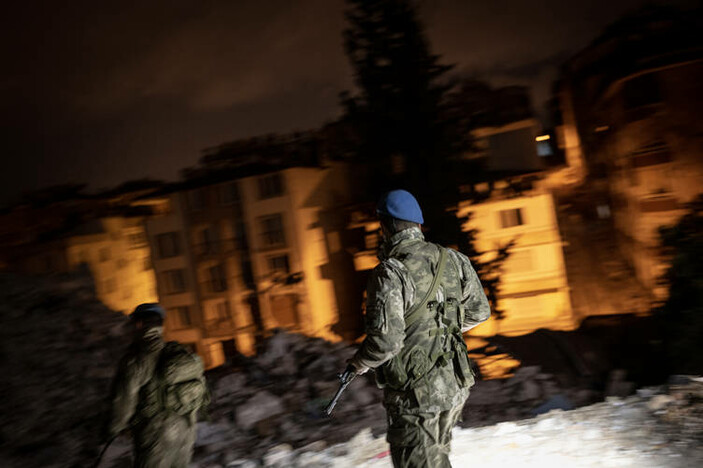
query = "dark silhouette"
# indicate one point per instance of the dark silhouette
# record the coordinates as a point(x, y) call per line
point(681, 315)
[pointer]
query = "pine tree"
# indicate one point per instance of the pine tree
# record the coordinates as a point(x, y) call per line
point(398, 111)
point(411, 131)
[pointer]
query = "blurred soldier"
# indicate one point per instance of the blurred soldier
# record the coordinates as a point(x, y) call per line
point(420, 299)
point(157, 393)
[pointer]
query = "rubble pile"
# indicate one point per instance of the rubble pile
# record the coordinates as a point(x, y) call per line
point(528, 393)
point(657, 427)
point(276, 400)
point(278, 397)
point(59, 348)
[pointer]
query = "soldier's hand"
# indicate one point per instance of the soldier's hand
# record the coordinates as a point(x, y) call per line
point(356, 369)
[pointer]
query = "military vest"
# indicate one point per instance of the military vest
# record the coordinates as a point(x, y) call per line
point(433, 323)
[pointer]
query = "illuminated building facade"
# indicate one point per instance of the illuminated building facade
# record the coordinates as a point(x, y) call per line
point(534, 291)
point(513, 202)
point(113, 249)
point(236, 258)
point(631, 108)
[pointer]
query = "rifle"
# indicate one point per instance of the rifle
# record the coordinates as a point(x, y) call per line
point(345, 379)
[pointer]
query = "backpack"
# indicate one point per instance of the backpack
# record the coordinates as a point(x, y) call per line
point(182, 388)
point(433, 338)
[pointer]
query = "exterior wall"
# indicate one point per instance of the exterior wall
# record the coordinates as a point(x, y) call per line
point(307, 193)
point(303, 299)
point(656, 161)
point(119, 260)
point(119, 265)
point(510, 147)
point(568, 137)
point(534, 291)
point(308, 201)
point(172, 219)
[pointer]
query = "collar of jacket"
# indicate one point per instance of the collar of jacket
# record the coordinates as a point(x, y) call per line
point(413, 233)
point(152, 333)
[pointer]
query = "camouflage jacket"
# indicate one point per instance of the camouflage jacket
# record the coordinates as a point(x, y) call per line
point(392, 291)
point(134, 398)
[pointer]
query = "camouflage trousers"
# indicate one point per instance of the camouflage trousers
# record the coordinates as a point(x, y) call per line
point(164, 443)
point(421, 438)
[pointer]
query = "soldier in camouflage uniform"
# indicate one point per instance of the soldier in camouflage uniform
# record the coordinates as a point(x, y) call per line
point(414, 323)
point(161, 440)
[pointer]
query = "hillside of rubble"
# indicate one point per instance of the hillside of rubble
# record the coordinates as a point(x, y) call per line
point(60, 347)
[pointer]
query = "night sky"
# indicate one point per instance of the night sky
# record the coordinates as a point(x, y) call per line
point(106, 91)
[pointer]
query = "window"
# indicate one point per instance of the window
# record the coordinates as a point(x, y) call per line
point(207, 241)
point(272, 234)
point(104, 254)
point(174, 281)
point(146, 264)
point(221, 312)
point(279, 263)
point(284, 309)
point(239, 233)
point(217, 279)
point(83, 257)
point(121, 263)
point(511, 218)
point(270, 186)
point(168, 244)
point(228, 194)
point(217, 313)
point(180, 317)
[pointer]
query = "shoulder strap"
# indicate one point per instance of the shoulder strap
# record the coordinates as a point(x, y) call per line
point(412, 316)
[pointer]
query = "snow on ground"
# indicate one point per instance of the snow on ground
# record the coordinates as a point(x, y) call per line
point(646, 430)
point(61, 347)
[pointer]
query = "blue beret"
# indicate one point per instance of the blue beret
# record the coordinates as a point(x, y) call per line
point(400, 204)
point(148, 309)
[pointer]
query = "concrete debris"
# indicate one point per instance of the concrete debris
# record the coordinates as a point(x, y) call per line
point(61, 346)
point(627, 434)
point(559, 402)
point(258, 408)
point(659, 402)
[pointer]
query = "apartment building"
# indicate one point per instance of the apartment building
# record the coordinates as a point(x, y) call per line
point(113, 249)
point(631, 105)
point(656, 158)
point(237, 258)
point(534, 290)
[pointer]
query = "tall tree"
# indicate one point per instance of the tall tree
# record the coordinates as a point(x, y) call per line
point(399, 111)
point(411, 122)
